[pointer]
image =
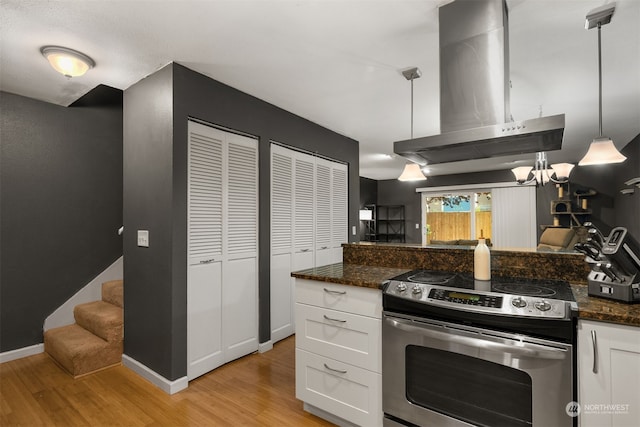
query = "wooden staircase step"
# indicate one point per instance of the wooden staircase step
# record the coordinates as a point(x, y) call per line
point(79, 351)
point(112, 292)
point(101, 318)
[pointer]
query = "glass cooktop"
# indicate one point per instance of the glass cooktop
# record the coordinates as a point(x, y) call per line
point(543, 288)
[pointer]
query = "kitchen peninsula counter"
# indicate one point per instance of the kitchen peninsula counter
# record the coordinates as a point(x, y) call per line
point(351, 274)
point(380, 262)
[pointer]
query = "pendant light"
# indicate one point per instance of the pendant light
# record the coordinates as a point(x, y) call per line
point(412, 171)
point(602, 150)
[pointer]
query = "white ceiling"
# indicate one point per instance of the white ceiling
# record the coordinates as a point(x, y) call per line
point(337, 63)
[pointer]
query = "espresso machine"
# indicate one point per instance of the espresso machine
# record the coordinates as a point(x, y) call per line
point(614, 262)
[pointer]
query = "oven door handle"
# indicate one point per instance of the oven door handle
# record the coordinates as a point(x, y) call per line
point(520, 348)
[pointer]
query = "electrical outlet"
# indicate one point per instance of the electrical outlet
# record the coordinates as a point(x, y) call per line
point(143, 238)
point(417, 226)
point(353, 230)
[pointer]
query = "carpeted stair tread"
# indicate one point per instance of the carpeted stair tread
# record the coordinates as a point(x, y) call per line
point(101, 318)
point(112, 292)
point(79, 351)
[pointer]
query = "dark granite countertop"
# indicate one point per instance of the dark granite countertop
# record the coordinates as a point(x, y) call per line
point(605, 310)
point(351, 274)
point(593, 308)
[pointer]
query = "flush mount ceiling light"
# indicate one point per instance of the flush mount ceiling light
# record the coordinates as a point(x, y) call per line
point(412, 171)
point(602, 150)
point(68, 62)
point(541, 173)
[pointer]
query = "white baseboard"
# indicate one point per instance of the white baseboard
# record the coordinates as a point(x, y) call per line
point(263, 347)
point(21, 352)
point(168, 386)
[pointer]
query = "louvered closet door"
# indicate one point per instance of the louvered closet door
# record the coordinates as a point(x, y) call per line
point(281, 291)
point(339, 210)
point(304, 206)
point(222, 248)
point(240, 266)
point(204, 281)
point(323, 213)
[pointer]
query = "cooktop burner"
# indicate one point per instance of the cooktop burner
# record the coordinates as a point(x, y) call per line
point(432, 277)
point(524, 289)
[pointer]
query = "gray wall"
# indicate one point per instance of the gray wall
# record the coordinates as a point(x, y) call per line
point(61, 186)
point(151, 303)
point(156, 112)
point(627, 207)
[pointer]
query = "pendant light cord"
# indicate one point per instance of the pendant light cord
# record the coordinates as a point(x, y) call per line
point(412, 77)
point(599, 79)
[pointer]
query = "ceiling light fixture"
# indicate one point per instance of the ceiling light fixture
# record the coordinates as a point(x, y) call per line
point(68, 62)
point(412, 171)
point(602, 150)
point(542, 173)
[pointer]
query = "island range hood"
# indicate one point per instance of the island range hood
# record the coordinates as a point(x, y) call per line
point(475, 119)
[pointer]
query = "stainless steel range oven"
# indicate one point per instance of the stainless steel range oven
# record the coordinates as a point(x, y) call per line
point(461, 352)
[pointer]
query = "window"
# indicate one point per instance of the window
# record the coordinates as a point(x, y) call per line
point(457, 216)
point(503, 212)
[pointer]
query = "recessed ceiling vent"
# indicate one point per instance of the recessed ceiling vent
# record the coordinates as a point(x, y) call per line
point(475, 119)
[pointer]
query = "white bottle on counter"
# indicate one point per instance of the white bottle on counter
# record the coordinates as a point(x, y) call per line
point(482, 261)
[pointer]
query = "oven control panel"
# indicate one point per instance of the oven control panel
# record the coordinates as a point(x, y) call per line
point(459, 297)
point(479, 301)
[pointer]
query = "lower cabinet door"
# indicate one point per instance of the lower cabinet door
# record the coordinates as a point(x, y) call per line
point(608, 374)
point(351, 393)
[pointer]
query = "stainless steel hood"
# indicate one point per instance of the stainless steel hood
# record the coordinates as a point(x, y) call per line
point(475, 119)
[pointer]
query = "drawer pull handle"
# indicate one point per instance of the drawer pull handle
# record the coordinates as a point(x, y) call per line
point(334, 320)
point(207, 261)
point(340, 371)
point(329, 291)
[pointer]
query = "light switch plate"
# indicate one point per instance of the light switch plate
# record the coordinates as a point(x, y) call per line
point(353, 230)
point(143, 238)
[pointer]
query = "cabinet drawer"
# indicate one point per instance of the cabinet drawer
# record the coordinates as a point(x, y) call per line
point(349, 338)
point(351, 393)
point(353, 299)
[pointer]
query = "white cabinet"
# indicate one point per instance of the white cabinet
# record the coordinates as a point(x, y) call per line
point(339, 351)
point(309, 212)
point(608, 374)
point(222, 230)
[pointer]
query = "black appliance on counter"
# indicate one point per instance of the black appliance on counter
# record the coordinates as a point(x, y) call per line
point(460, 352)
point(614, 262)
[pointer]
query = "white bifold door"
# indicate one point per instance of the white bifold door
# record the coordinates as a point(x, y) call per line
point(309, 215)
point(222, 276)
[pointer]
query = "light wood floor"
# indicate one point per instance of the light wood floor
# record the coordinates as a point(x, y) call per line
point(257, 390)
